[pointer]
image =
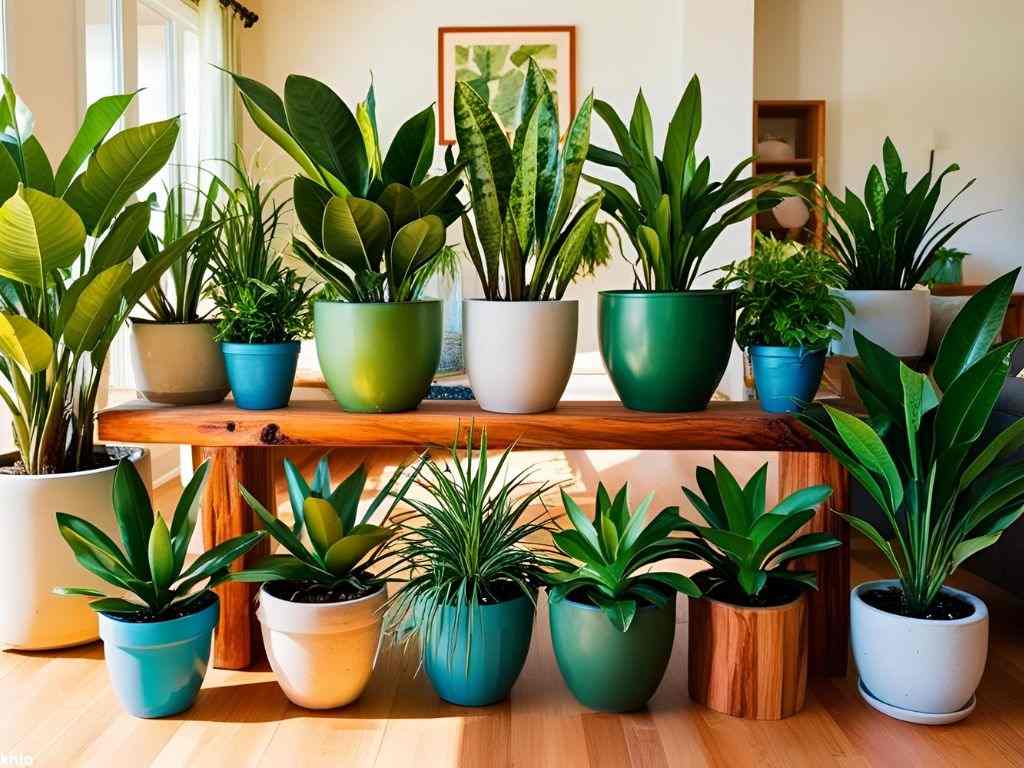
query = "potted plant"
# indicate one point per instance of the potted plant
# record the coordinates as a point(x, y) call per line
point(789, 312)
point(748, 633)
point(527, 246)
point(471, 575)
point(886, 244)
point(262, 304)
point(918, 455)
point(156, 641)
point(175, 354)
point(320, 605)
point(613, 624)
point(666, 344)
point(63, 298)
point(947, 268)
point(374, 231)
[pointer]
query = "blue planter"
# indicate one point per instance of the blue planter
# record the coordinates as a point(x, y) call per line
point(261, 375)
point(786, 377)
point(157, 668)
point(481, 671)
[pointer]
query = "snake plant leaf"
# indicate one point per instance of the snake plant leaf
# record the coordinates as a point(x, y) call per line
point(134, 515)
point(298, 492)
point(186, 513)
point(680, 142)
point(754, 493)
point(400, 204)
point(412, 150)
point(356, 232)
point(118, 169)
point(346, 553)
point(865, 444)
point(123, 237)
point(733, 500)
point(85, 537)
point(322, 524)
point(222, 555)
point(570, 251)
point(647, 185)
point(570, 168)
point(100, 118)
point(327, 131)
point(310, 200)
point(25, 343)
point(95, 307)
point(414, 245)
point(281, 532)
point(161, 555)
point(345, 498)
point(38, 234)
point(522, 198)
point(641, 130)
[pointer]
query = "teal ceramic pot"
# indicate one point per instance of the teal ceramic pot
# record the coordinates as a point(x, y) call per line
point(261, 375)
point(606, 669)
point(157, 668)
point(378, 358)
point(666, 352)
point(787, 378)
point(481, 672)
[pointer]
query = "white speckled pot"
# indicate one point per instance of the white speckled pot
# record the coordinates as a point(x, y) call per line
point(895, 320)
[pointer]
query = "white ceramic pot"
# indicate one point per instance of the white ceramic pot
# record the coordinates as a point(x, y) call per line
point(918, 665)
point(895, 320)
point(34, 558)
point(775, 149)
point(178, 363)
point(322, 653)
point(519, 354)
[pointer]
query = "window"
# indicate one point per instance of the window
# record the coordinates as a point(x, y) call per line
point(3, 36)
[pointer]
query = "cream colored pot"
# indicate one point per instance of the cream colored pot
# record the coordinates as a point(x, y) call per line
point(34, 558)
point(322, 653)
point(895, 320)
point(178, 363)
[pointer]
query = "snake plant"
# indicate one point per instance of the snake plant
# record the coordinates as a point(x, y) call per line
point(607, 552)
point(526, 244)
point(151, 565)
point(374, 226)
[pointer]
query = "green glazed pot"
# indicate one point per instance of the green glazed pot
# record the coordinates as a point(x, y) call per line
point(666, 352)
point(378, 358)
point(606, 669)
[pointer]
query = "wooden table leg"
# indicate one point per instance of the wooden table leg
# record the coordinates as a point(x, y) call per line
point(829, 614)
point(224, 516)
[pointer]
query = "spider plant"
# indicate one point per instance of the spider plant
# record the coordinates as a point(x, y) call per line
point(150, 565)
point(918, 452)
point(669, 220)
point(890, 239)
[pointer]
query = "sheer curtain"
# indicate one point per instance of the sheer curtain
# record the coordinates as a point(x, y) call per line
point(220, 105)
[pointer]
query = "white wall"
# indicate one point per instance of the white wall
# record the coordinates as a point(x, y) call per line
point(939, 74)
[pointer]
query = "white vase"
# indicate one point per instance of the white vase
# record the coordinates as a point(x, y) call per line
point(322, 653)
point(792, 213)
point(34, 558)
point(774, 149)
point(178, 363)
point(895, 320)
point(519, 354)
point(918, 665)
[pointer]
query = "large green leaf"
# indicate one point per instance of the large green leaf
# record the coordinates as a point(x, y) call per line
point(865, 444)
point(100, 118)
point(222, 555)
point(523, 196)
point(310, 200)
point(570, 168)
point(415, 244)
point(345, 498)
point(680, 141)
point(38, 234)
point(146, 276)
point(322, 524)
point(95, 307)
point(186, 513)
point(412, 150)
point(38, 171)
point(161, 555)
point(967, 405)
point(278, 530)
point(134, 515)
point(346, 553)
point(124, 236)
point(356, 232)
point(400, 204)
point(298, 491)
point(25, 343)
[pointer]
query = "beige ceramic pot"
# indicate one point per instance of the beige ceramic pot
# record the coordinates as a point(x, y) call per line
point(178, 363)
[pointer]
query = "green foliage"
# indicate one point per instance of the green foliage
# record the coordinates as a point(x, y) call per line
point(64, 297)
point(375, 228)
point(947, 268)
point(344, 547)
point(747, 545)
point(889, 240)
point(785, 295)
point(918, 453)
point(525, 246)
point(669, 220)
point(150, 565)
point(607, 552)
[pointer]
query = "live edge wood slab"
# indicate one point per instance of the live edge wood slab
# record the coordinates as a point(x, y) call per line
point(240, 444)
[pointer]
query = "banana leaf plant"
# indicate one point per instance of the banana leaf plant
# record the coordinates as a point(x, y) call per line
point(526, 246)
point(748, 546)
point(890, 239)
point(150, 565)
point(669, 220)
point(919, 452)
point(346, 547)
point(67, 281)
point(607, 552)
point(375, 227)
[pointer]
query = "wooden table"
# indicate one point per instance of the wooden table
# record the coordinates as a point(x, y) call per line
point(241, 444)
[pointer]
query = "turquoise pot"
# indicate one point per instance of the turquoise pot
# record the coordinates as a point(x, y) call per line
point(481, 672)
point(157, 668)
point(261, 375)
point(606, 669)
point(787, 378)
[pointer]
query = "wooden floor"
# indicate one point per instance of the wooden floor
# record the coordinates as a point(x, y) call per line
point(59, 710)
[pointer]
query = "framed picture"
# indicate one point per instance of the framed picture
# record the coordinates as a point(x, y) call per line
point(493, 60)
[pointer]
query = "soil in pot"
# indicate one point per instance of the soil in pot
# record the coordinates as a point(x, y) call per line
point(175, 612)
point(306, 592)
point(772, 596)
point(945, 607)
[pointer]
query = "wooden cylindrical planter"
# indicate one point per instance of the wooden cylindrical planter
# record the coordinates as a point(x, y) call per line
point(748, 662)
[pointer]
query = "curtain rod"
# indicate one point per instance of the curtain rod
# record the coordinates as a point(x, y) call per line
point(247, 16)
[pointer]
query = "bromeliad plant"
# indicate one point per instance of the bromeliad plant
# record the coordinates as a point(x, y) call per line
point(67, 281)
point(747, 546)
point(890, 239)
point(375, 228)
point(345, 547)
point(151, 565)
point(918, 456)
point(669, 220)
point(786, 295)
point(611, 549)
point(525, 246)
